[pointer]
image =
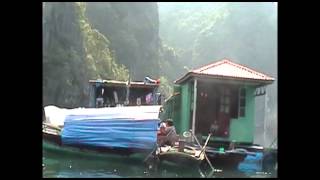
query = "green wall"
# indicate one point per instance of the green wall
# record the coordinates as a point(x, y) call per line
point(172, 108)
point(184, 122)
point(242, 128)
point(176, 104)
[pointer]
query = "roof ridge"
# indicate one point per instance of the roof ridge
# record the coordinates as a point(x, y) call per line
point(249, 69)
point(217, 63)
point(227, 68)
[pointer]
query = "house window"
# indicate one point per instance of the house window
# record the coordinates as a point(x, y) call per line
point(242, 102)
point(225, 101)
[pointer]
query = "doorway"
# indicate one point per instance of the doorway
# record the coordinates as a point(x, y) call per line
point(217, 104)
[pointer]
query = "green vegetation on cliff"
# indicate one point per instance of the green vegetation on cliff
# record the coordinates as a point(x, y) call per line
point(73, 53)
point(100, 59)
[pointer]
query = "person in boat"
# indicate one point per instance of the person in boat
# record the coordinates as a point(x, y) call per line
point(99, 99)
point(167, 134)
point(99, 102)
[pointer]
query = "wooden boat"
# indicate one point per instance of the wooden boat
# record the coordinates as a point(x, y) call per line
point(188, 157)
point(52, 140)
point(52, 143)
point(227, 160)
point(230, 158)
point(184, 154)
point(103, 131)
point(168, 155)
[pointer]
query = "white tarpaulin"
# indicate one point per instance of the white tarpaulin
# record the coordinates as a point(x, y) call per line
point(56, 116)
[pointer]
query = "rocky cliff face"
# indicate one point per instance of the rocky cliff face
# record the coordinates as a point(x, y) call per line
point(63, 55)
point(133, 30)
point(83, 41)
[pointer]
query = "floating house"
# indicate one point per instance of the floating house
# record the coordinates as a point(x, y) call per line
point(220, 95)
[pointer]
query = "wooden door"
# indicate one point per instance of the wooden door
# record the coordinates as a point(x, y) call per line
point(223, 120)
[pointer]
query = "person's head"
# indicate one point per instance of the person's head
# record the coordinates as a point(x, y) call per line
point(169, 122)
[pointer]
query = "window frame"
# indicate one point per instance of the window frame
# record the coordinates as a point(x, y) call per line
point(225, 106)
point(242, 108)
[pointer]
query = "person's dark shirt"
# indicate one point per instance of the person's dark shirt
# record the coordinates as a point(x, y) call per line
point(171, 133)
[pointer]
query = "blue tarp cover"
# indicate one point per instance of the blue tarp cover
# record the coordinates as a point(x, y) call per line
point(118, 128)
point(252, 163)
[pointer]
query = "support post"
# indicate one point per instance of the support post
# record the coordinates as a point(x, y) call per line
point(265, 120)
point(194, 106)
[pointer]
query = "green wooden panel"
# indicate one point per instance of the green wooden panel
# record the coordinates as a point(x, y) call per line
point(172, 108)
point(242, 128)
point(185, 108)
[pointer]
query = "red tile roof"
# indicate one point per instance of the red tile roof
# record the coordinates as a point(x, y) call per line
point(227, 69)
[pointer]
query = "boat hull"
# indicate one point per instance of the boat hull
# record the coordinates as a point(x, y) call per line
point(53, 144)
point(180, 158)
point(226, 161)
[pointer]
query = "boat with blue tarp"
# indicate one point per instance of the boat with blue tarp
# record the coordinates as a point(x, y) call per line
point(121, 130)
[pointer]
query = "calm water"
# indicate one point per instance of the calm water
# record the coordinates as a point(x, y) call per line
point(65, 166)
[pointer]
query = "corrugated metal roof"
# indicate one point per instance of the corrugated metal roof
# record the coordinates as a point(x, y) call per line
point(124, 83)
point(227, 69)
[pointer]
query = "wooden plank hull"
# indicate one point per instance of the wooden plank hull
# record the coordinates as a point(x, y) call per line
point(225, 161)
point(180, 159)
point(52, 143)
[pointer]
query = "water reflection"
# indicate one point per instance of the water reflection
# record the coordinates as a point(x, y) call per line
point(63, 166)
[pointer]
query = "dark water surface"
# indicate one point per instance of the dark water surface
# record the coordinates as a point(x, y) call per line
point(74, 166)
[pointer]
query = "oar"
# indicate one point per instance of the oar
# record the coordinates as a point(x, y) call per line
point(205, 155)
point(205, 144)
